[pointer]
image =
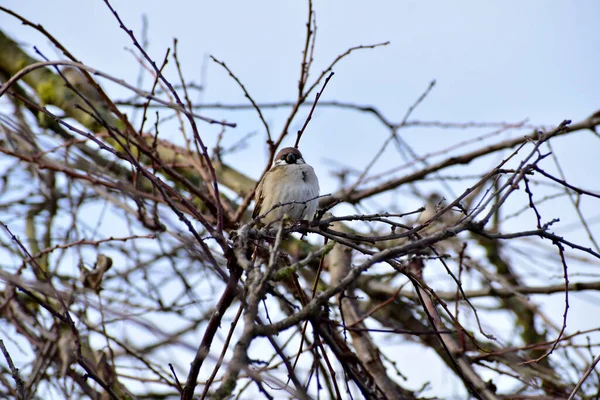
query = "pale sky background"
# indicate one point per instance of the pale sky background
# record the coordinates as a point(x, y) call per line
point(493, 61)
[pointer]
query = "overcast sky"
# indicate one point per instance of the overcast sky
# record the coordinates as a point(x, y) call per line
point(493, 61)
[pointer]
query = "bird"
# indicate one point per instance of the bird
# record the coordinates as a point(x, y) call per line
point(80, 83)
point(435, 203)
point(290, 187)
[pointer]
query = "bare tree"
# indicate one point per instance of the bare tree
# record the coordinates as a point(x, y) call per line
point(178, 292)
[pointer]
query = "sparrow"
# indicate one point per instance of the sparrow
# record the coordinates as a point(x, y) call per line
point(290, 182)
point(436, 202)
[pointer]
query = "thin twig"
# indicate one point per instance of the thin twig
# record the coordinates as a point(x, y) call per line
point(301, 131)
point(14, 372)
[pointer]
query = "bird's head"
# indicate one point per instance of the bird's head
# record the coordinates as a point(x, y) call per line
point(288, 156)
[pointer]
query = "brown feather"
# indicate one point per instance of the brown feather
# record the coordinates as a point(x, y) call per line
point(258, 198)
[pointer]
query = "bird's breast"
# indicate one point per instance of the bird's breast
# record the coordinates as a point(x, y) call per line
point(292, 185)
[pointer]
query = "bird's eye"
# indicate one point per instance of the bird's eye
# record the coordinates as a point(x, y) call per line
point(290, 158)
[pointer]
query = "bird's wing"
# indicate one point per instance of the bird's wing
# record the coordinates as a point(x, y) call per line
point(258, 198)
